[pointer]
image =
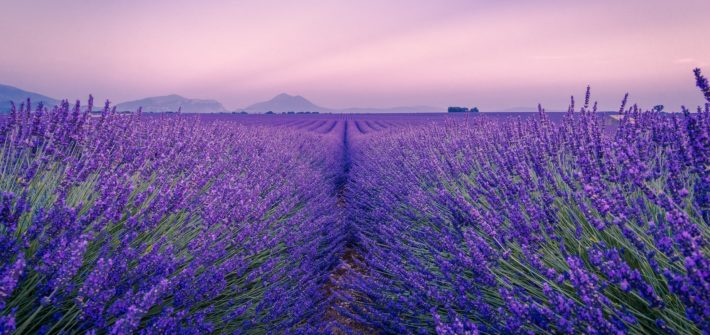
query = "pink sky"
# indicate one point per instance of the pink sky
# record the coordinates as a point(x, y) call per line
point(493, 54)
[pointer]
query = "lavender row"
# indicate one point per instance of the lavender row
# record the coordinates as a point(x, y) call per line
point(132, 224)
point(533, 226)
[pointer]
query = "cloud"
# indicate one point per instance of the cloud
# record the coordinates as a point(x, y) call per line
point(690, 61)
point(685, 61)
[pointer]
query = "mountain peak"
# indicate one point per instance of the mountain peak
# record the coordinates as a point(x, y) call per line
point(288, 97)
point(285, 102)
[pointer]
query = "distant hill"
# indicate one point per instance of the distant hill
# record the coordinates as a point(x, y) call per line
point(296, 103)
point(286, 103)
point(9, 94)
point(171, 103)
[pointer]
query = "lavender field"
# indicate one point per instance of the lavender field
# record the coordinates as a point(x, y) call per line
point(567, 223)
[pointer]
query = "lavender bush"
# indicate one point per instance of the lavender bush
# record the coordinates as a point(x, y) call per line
point(181, 224)
point(147, 224)
point(530, 226)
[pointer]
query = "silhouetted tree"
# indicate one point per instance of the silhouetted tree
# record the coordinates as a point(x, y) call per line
point(454, 109)
point(458, 109)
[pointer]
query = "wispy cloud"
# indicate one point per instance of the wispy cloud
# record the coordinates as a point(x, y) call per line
point(689, 61)
point(684, 61)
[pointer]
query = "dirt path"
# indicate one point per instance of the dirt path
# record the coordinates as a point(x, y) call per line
point(350, 259)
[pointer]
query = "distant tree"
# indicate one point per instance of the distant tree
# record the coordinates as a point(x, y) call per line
point(458, 109)
point(658, 108)
point(454, 109)
point(243, 112)
point(270, 112)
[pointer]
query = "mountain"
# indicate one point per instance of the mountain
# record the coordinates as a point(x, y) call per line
point(286, 103)
point(9, 94)
point(171, 103)
point(296, 103)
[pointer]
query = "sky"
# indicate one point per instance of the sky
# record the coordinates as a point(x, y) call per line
point(492, 54)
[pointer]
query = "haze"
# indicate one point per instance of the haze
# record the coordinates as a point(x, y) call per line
point(492, 54)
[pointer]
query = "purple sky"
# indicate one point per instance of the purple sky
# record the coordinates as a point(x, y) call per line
point(493, 54)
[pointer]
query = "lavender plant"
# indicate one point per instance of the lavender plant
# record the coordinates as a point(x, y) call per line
point(161, 224)
point(532, 226)
point(139, 224)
